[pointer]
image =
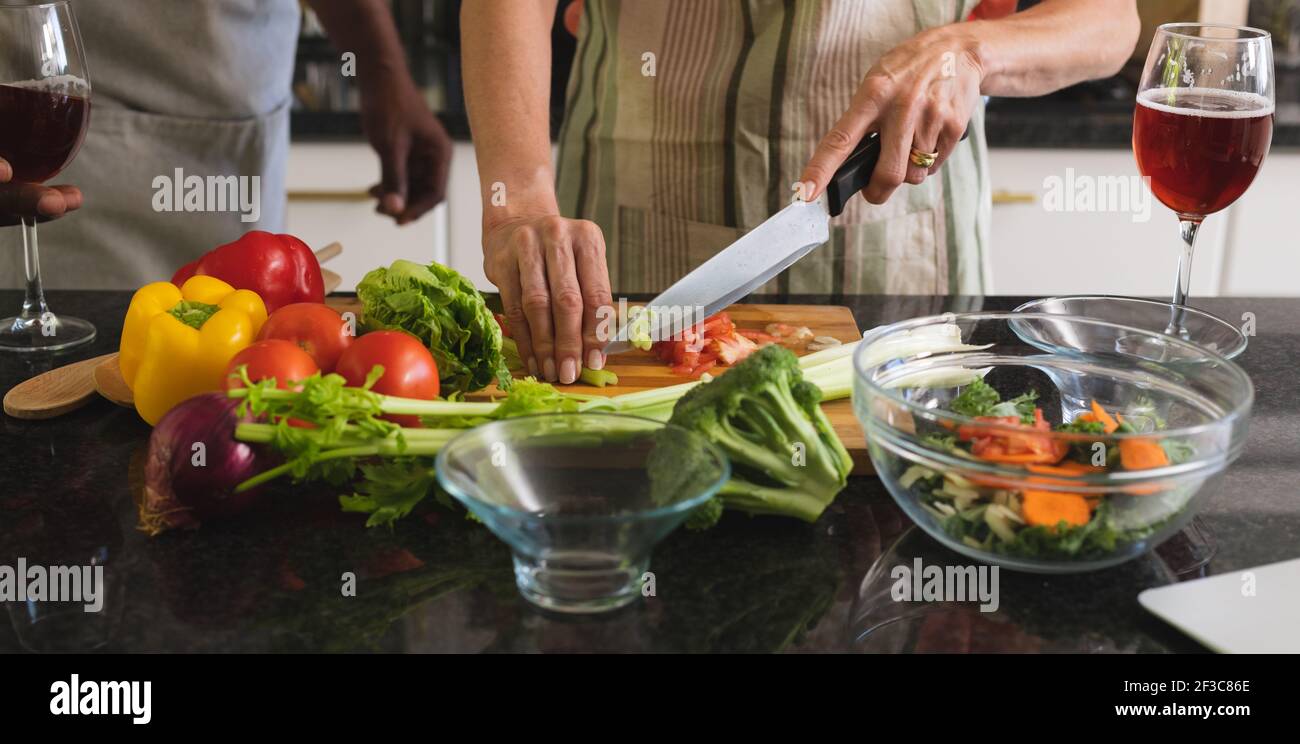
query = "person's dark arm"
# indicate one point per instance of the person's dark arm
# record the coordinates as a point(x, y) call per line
point(32, 200)
point(414, 149)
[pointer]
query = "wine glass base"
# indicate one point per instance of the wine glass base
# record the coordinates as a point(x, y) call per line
point(24, 335)
point(1191, 549)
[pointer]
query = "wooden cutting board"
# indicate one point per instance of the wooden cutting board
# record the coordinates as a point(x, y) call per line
point(641, 370)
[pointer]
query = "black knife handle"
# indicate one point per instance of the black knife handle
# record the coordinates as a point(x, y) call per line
point(855, 174)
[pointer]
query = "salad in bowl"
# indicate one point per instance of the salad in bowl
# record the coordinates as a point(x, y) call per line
point(1049, 462)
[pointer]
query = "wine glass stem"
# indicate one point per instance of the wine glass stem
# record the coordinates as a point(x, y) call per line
point(34, 307)
point(1182, 283)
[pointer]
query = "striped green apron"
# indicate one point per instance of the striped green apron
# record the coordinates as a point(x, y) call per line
point(688, 121)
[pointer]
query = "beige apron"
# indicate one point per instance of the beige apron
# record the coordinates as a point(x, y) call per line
point(688, 121)
point(199, 86)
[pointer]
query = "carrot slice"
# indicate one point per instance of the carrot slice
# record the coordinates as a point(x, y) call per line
point(1067, 468)
point(1141, 454)
point(1107, 422)
point(1050, 508)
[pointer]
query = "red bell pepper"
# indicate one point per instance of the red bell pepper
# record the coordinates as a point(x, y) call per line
point(281, 269)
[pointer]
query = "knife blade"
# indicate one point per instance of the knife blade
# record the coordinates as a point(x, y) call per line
point(759, 255)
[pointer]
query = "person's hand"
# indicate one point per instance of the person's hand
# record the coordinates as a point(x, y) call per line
point(32, 200)
point(919, 95)
point(552, 277)
point(414, 149)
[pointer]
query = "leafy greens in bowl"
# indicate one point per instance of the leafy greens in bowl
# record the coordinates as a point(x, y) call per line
point(1046, 462)
point(445, 311)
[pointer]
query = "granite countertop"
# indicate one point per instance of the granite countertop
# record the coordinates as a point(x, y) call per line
point(271, 581)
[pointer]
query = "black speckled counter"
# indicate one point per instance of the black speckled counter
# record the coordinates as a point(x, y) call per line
point(439, 583)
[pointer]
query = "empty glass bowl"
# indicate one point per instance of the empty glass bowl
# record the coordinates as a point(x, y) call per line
point(1203, 329)
point(1041, 498)
point(581, 498)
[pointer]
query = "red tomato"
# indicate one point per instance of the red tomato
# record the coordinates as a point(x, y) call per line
point(409, 369)
point(273, 358)
point(318, 329)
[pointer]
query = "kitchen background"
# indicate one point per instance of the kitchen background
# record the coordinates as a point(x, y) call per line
point(1250, 249)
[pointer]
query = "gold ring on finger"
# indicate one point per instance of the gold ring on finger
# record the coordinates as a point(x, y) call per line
point(923, 159)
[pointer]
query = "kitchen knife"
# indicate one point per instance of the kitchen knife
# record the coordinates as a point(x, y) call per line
point(761, 254)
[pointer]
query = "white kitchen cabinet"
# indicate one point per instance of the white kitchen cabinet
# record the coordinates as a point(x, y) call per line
point(1250, 249)
point(328, 201)
point(1262, 257)
point(465, 218)
point(1037, 251)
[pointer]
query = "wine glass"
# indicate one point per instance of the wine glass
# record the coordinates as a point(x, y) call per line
point(44, 114)
point(1202, 126)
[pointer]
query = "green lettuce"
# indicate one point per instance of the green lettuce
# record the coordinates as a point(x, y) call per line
point(445, 311)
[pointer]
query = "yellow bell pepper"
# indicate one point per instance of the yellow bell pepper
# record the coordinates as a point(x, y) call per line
point(166, 360)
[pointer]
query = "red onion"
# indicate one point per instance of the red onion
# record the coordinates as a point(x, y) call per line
point(194, 464)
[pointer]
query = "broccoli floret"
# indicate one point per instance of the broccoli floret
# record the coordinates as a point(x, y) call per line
point(705, 515)
point(679, 469)
point(785, 456)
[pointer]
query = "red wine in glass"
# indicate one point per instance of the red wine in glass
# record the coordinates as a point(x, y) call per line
point(1201, 147)
point(44, 115)
point(40, 131)
point(1202, 125)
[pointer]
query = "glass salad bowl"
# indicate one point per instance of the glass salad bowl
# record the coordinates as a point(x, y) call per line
point(1051, 462)
point(581, 498)
point(1204, 329)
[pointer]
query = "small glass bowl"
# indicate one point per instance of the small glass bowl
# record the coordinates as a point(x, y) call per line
point(581, 498)
point(1193, 404)
point(1203, 329)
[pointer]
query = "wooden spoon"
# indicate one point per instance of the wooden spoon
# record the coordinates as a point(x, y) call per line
point(332, 280)
point(56, 392)
point(110, 383)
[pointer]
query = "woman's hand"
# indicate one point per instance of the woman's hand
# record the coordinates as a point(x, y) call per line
point(919, 95)
point(32, 200)
point(552, 277)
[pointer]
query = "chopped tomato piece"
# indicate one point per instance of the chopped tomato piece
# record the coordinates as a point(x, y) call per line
point(501, 321)
point(716, 341)
point(703, 367)
point(758, 337)
point(732, 349)
point(1034, 445)
point(719, 325)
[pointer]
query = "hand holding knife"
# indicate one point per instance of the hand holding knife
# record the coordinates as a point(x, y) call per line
point(760, 254)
